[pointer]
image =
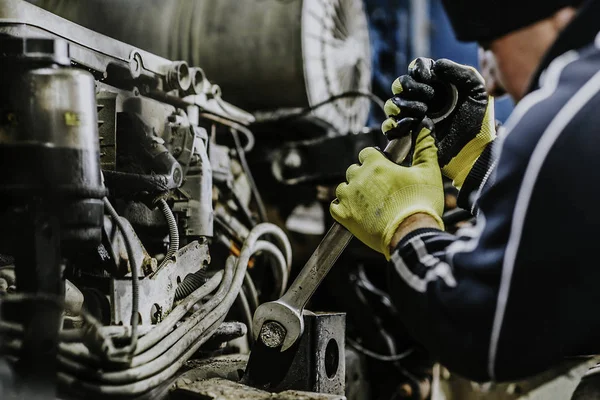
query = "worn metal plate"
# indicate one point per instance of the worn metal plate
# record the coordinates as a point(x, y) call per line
point(157, 291)
point(315, 363)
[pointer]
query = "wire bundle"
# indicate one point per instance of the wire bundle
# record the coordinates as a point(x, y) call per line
point(162, 351)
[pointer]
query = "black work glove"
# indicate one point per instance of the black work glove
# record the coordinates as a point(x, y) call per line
point(463, 135)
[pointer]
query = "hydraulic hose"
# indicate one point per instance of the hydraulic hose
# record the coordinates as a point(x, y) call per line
point(80, 352)
point(173, 230)
point(159, 356)
point(134, 275)
point(190, 283)
point(251, 292)
point(280, 270)
point(192, 340)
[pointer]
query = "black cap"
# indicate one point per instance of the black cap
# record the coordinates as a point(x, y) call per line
point(483, 21)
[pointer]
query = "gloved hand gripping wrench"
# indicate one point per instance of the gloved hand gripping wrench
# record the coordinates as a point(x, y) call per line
point(280, 323)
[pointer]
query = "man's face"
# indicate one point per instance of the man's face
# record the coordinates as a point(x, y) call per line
point(489, 70)
point(508, 63)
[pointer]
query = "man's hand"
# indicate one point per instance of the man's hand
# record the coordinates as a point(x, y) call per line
point(380, 195)
point(464, 134)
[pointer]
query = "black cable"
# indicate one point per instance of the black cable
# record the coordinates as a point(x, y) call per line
point(262, 211)
point(305, 111)
point(377, 356)
point(246, 214)
point(134, 274)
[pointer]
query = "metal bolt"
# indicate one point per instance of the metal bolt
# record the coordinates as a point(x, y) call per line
point(272, 334)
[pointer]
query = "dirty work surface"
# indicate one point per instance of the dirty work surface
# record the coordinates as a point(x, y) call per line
point(222, 389)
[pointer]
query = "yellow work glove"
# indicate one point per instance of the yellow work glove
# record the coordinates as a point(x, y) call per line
point(465, 133)
point(380, 195)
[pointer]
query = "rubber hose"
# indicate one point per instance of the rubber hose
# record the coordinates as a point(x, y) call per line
point(135, 293)
point(190, 283)
point(148, 365)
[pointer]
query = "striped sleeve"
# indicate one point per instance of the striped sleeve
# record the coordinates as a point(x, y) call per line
point(516, 293)
point(478, 178)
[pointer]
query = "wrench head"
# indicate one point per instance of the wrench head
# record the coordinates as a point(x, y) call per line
point(280, 312)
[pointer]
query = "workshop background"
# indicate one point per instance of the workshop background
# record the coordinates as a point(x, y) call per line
point(257, 122)
point(402, 30)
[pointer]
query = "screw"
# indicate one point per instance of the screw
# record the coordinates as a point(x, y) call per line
point(272, 334)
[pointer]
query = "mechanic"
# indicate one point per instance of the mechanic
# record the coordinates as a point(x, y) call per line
point(517, 293)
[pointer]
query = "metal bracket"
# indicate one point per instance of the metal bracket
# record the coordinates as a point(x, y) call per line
point(157, 292)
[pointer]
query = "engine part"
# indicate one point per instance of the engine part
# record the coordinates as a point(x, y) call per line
point(294, 54)
point(316, 363)
point(195, 200)
point(139, 140)
point(48, 135)
point(190, 283)
point(154, 119)
point(51, 189)
point(157, 291)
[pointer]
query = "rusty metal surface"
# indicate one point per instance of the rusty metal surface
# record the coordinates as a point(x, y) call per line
point(223, 389)
point(315, 363)
point(157, 291)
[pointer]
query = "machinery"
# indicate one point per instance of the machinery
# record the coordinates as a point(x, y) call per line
point(135, 244)
point(158, 173)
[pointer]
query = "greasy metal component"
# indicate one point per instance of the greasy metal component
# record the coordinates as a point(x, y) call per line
point(107, 129)
point(158, 289)
point(37, 50)
point(221, 163)
point(38, 268)
point(138, 138)
point(272, 334)
point(195, 201)
point(328, 336)
point(49, 114)
point(73, 298)
point(178, 76)
point(315, 363)
point(223, 389)
point(199, 83)
point(294, 53)
point(120, 64)
point(288, 309)
point(227, 331)
point(114, 253)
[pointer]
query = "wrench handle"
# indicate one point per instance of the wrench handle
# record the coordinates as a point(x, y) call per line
point(317, 266)
point(333, 244)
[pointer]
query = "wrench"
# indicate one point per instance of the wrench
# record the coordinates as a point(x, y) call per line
point(280, 323)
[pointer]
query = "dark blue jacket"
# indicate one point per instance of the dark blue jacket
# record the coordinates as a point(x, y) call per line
point(520, 291)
